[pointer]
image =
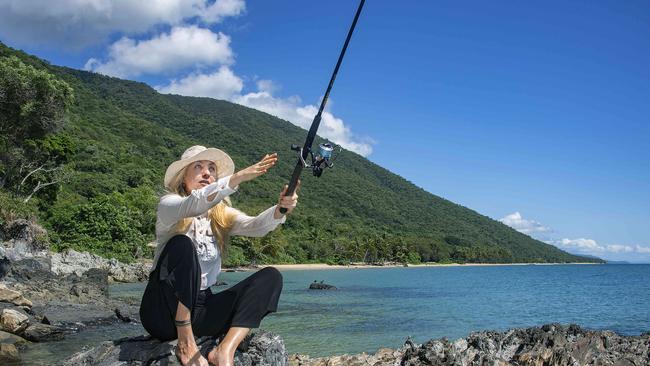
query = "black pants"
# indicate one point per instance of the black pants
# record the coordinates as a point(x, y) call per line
point(177, 278)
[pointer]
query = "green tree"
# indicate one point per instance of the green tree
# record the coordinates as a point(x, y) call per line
point(33, 104)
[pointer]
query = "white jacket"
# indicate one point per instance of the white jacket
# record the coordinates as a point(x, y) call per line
point(172, 208)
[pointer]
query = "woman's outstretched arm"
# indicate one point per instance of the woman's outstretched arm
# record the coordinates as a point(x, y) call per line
point(173, 207)
point(255, 226)
point(266, 221)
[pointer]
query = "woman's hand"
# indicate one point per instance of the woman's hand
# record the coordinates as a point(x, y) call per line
point(288, 202)
point(254, 170)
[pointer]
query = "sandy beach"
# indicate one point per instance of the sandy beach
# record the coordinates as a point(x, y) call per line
point(317, 266)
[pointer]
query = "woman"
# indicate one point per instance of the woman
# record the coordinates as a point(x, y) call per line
point(194, 222)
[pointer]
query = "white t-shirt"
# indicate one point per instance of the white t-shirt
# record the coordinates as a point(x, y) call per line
point(172, 208)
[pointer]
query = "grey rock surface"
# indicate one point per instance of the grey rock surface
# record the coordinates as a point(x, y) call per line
point(71, 261)
point(549, 345)
point(39, 332)
point(22, 239)
point(68, 302)
point(262, 348)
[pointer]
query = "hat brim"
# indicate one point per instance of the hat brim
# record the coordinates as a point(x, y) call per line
point(225, 165)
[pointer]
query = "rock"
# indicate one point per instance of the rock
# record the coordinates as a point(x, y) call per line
point(40, 332)
point(30, 269)
point(24, 239)
point(551, 344)
point(383, 357)
point(14, 297)
point(263, 349)
point(43, 286)
point(321, 286)
point(8, 353)
point(8, 338)
point(13, 321)
point(71, 261)
point(122, 317)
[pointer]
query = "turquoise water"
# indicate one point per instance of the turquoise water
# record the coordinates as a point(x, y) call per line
point(380, 307)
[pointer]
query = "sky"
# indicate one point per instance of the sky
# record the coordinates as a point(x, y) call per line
point(536, 115)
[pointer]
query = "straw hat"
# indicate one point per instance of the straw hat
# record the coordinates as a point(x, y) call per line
point(225, 165)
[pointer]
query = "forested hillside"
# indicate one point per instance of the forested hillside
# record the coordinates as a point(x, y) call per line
point(104, 143)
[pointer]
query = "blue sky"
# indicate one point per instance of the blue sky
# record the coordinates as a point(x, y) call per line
point(533, 114)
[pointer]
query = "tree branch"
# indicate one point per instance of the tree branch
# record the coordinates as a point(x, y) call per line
point(39, 187)
point(36, 170)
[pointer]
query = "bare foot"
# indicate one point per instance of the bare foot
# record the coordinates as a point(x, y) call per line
point(188, 354)
point(221, 357)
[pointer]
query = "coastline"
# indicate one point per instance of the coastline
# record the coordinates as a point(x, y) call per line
point(321, 266)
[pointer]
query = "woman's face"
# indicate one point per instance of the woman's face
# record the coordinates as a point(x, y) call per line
point(199, 174)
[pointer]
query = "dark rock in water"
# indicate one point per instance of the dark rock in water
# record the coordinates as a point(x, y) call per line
point(321, 286)
point(122, 317)
point(40, 332)
point(262, 348)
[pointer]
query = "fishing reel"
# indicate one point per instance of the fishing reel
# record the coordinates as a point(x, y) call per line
point(321, 160)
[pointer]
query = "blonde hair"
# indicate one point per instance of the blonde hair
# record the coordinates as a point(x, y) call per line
point(220, 221)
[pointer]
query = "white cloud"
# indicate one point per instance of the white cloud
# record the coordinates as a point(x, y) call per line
point(643, 250)
point(222, 84)
point(517, 222)
point(581, 244)
point(182, 47)
point(78, 23)
point(618, 248)
point(220, 9)
point(266, 86)
point(590, 246)
point(292, 110)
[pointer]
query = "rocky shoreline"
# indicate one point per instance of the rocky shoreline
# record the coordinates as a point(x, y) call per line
point(551, 344)
point(45, 296)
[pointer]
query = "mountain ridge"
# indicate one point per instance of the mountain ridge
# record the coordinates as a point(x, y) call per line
point(125, 133)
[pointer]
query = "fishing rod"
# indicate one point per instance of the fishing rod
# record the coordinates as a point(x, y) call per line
point(323, 158)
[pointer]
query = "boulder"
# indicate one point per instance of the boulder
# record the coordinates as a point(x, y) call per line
point(13, 321)
point(71, 261)
point(8, 338)
point(40, 332)
point(12, 296)
point(262, 348)
point(8, 353)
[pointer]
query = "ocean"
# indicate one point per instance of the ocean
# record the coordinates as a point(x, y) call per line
point(380, 307)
